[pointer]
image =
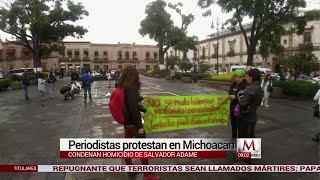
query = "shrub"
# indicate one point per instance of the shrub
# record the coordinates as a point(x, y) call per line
point(4, 83)
point(297, 88)
point(151, 71)
point(15, 77)
point(228, 77)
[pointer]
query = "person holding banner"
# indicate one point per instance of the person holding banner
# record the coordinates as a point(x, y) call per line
point(239, 84)
point(130, 82)
point(249, 100)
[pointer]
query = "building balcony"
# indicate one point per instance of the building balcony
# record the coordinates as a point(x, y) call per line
point(150, 60)
point(129, 60)
point(100, 60)
point(64, 59)
point(86, 59)
point(231, 53)
point(26, 57)
point(203, 57)
point(306, 46)
point(214, 55)
point(11, 58)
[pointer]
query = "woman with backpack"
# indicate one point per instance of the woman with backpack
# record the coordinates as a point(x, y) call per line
point(130, 82)
point(238, 84)
point(266, 86)
point(317, 99)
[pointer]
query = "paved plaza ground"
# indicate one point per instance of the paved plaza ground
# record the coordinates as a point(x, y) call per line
point(30, 133)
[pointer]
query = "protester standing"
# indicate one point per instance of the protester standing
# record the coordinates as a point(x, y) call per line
point(173, 74)
point(238, 84)
point(317, 135)
point(25, 82)
point(42, 86)
point(249, 101)
point(51, 80)
point(109, 78)
point(133, 127)
point(266, 86)
point(87, 80)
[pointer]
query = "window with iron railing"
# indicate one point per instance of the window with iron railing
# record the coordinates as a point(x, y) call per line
point(119, 55)
point(155, 55)
point(86, 54)
point(307, 38)
point(105, 55)
point(127, 54)
point(96, 55)
point(69, 54)
point(134, 55)
point(147, 55)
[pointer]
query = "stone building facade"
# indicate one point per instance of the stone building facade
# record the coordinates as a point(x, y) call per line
point(13, 56)
point(230, 48)
point(108, 56)
point(83, 54)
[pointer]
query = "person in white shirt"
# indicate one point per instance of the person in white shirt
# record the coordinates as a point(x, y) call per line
point(317, 135)
point(75, 89)
point(42, 87)
point(109, 78)
point(266, 86)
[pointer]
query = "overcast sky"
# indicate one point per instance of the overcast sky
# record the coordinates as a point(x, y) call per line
point(119, 20)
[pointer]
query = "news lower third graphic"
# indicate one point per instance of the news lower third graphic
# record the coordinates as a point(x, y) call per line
point(146, 148)
point(162, 168)
point(248, 148)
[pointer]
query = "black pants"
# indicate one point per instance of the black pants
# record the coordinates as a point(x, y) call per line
point(247, 129)
point(234, 127)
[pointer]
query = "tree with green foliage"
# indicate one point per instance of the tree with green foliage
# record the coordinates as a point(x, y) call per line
point(203, 67)
point(171, 62)
point(268, 18)
point(159, 27)
point(185, 65)
point(41, 25)
point(301, 62)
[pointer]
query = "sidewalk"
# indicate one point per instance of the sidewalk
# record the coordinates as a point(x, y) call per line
point(31, 130)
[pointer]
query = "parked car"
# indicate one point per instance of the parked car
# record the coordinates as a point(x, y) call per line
point(306, 78)
point(95, 73)
point(275, 76)
point(317, 79)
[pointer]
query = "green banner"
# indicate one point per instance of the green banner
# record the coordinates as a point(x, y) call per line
point(167, 113)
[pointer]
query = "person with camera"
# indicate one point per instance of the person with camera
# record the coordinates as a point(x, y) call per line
point(130, 82)
point(239, 84)
point(267, 88)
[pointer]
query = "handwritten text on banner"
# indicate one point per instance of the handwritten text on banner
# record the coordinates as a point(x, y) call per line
point(167, 113)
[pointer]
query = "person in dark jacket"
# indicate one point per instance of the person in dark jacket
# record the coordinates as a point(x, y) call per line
point(25, 82)
point(239, 84)
point(87, 80)
point(130, 82)
point(249, 100)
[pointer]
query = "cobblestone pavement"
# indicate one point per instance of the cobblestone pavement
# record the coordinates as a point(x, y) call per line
point(30, 133)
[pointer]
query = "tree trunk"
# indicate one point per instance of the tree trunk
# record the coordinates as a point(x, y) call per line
point(36, 62)
point(250, 56)
point(161, 55)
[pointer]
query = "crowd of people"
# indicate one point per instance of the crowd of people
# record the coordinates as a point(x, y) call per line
point(247, 94)
point(46, 84)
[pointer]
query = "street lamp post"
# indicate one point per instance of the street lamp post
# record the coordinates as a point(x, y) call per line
point(217, 29)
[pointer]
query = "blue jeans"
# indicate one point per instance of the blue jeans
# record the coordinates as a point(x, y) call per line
point(87, 89)
point(25, 88)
